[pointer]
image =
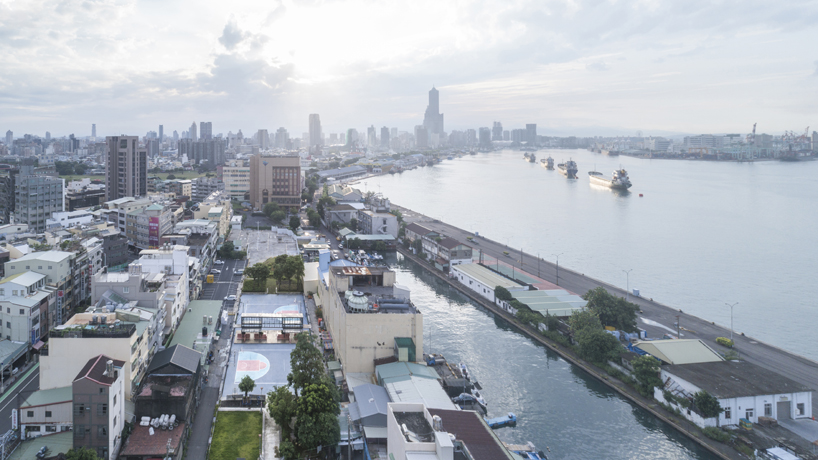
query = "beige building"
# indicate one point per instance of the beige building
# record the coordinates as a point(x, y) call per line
point(275, 180)
point(216, 208)
point(126, 169)
point(364, 326)
point(236, 178)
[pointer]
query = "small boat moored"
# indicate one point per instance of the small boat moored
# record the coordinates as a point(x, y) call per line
point(499, 422)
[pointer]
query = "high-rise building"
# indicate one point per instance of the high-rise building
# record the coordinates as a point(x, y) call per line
point(471, 137)
point(815, 141)
point(8, 180)
point(385, 137)
point(506, 135)
point(126, 170)
point(275, 180)
point(36, 198)
point(282, 138)
point(73, 144)
point(175, 136)
point(531, 133)
point(48, 136)
point(497, 131)
point(192, 134)
point(94, 130)
point(433, 119)
point(199, 152)
point(161, 133)
point(206, 130)
point(421, 137)
point(263, 139)
point(315, 130)
point(352, 136)
point(485, 137)
point(371, 136)
point(9, 139)
point(393, 134)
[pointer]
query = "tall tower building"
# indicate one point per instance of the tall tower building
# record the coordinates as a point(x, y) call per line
point(206, 130)
point(531, 133)
point(385, 137)
point(161, 133)
point(9, 138)
point(94, 130)
point(315, 130)
point(126, 171)
point(263, 139)
point(282, 138)
point(275, 180)
point(48, 136)
point(497, 131)
point(371, 138)
point(433, 119)
point(193, 135)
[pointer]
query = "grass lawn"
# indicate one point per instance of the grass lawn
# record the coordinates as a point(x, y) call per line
point(75, 177)
point(250, 285)
point(236, 436)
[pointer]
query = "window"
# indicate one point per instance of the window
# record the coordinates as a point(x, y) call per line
point(30, 414)
point(28, 267)
point(102, 409)
point(79, 409)
point(115, 422)
point(102, 431)
point(48, 413)
point(8, 324)
point(768, 410)
point(39, 267)
point(51, 429)
point(125, 290)
point(14, 292)
point(49, 267)
point(79, 431)
point(749, 414)
point(101, 390)
point(799, 408)
point(33, 428)
point(727, 413)
point(114, 400)
point(22, 311)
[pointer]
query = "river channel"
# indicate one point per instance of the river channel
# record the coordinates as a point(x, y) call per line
point(704, 233)
point(558, 405)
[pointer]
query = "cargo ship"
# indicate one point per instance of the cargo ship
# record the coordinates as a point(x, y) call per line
point(568, 169)
point(532, 158)
point(547, 163)
point(618, 181)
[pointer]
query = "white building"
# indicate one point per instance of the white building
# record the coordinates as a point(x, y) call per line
point(744, 390)
point(482, 280)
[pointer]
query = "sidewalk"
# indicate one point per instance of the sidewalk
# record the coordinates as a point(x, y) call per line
point(270, 437)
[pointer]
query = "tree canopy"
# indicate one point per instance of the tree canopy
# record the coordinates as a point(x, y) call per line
point(708, 406)
point(502, 293)
point(83, 453)
point(247, 385)
point(612, 310)
point(306, 363)
point(646, 371)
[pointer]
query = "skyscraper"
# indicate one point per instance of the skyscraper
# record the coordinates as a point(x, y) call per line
point(193, 135)
point(126, 169)
point(94, 130)
point(352, 136)
point(385, 137)
point(263, 139)
point(282, 138)
point(48, 136)
point(421, 137)
point(531, 133)
point(485, 137)
point(175, 136)
point(206, 130)
point(433, 119)
point(36, 198)
point(9, 138)
point(161, 133)
point(371, 136)
point(394, 133)
point(497, 131)
point(315, 130)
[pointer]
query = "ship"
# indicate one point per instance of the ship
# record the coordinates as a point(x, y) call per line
point(568, 169)
point(532, 158)
point(618, 181)
point(547, 163)
point(612, 153)
point(526, 156)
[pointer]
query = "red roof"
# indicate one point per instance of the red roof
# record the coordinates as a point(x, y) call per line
point(142, 444)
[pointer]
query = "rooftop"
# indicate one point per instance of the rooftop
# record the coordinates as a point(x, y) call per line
point(95, 369)
point(731, 379)
point(486, 276)
point(680, 351)
point(470, 428)
point(174, 385)
point(394, 372)
point(420, 390)
point(51, 396)
point(58, 443)
point(25, 278)
point(142, 444)
point(47, 256)
point(556, 303)
point(178, 355)
point(190, 328)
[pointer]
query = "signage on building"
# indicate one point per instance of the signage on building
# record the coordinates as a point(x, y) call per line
point(14, 419)
point(59, 293)
point(153, 232)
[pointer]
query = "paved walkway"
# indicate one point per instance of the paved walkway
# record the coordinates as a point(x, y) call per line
point(271, 437)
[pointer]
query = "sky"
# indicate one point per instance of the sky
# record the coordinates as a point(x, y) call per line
point(574, 67)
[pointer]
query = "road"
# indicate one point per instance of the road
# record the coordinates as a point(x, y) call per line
point(15, 395)
point(225, 283)
point(660, 318)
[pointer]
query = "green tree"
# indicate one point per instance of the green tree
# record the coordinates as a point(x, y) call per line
point(282, 408)
point(379, 246)
point(259, 272)
point(612, 310)
point(552, 323)
point(286, 450)
point(706, 404)
point(317, 420)
point(83, 453)
point(306, 363)
point(646, 371)
point(397, 214)
point(79, 169)
point(295, 267)
point(598, 346)
point(246, 385)
point(295, 222)
point(418, 245)
point(270, 208)
point(353, 224)
point(171, 176)
point(503, 294)
point(314, 217)
point(584, 320)
point(277, 216)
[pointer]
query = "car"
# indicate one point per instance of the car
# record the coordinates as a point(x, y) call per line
point(218, 262)
point(239, 272)
point(215, 271)
point(230, 297)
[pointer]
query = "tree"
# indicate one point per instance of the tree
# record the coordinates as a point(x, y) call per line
point(295, 222)
point(270, 208)
point(502, 294)
point(282, 408)
point(259, 272)
point(317, 419)
point(582, 320)
point(612, 310)
point(598, 346)
point(295, 268)
point(379, 246)
point(277, 216)
point(306, 363)
point(646, 371)
point(83, 453)
point(706, 404)
point(418, 245)
point(314, 217)
point(353, 224)
point(397, 214)
point(246, 385)
point(551, 322)
point(171, 176)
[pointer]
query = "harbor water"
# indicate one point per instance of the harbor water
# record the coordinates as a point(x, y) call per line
point(704, 233)
point(558, 406)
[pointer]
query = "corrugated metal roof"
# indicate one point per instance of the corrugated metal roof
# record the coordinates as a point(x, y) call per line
point(420, 390)
point(486, 276)
point(680, 351)
point(393, 372)
point(562, 304)
point(50, 396)
point(370, 400)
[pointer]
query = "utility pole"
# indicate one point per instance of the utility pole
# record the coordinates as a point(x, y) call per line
point(558, 266)
point(678, 328)
point(731, 318)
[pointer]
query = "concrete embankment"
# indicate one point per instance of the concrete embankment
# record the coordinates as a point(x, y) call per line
point(681, 424)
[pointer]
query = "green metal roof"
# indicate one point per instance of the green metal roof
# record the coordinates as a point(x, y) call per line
point(51, 396)
point(396, 372)
point(58, 443)
point(191, 325)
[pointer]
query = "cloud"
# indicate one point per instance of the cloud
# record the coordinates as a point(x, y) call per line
point(816, 69)
point(598, 66)
point(231, 35)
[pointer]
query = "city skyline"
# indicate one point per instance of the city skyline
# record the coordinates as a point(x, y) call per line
point(685, 67)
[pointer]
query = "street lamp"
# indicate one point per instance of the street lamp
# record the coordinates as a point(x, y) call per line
point(558, 266)
point(731, 318)
point(628, 284)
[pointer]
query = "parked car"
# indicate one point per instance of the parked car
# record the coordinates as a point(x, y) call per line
point(218, 262)
point(239, 272)
point(230, 297)
point(215, 271)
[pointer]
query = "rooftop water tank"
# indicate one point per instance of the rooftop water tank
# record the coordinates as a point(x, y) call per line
point(358, 302)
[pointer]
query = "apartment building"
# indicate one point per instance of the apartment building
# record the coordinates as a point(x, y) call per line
point(236, 178)
point(98, 392)
point(144, 227)
point(66, 272)
point(24, 306)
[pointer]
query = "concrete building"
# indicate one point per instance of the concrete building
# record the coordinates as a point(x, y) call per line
point(364, 327)
point(338, 174)
point(65, 273)
point(275, 180)
point(46, 412)
point(432, 118)
point(482, 280)
point(144, 227)
point(316, 138)
point(744, 390)
point(497, 131)
point(24, 306)
point(126, 170)
point(531, 133)
point(216, 208)
point(377, 223)
point(99, 406)
point(174, 263)
point(203, 151)
point(236, 178)
point(204, 187)
point(68, 219)
point(452, 252)
point(205, 130)
point(36, 198)
point(282, 138)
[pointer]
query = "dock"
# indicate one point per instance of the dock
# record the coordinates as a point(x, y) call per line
point(499, 422)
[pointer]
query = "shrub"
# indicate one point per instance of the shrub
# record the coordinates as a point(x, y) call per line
point(716, 434)
point(724, 341)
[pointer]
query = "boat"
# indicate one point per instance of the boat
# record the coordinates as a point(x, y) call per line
point(526, 156)
point(499, 422)
point(568, 169)
point(528, 451)
point(619, 180)
point(612, 153)
point(450, 157)
point(547, 163)
point(466, 401)
point(532, 158)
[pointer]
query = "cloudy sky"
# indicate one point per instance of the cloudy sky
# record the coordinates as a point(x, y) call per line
point(573, 67)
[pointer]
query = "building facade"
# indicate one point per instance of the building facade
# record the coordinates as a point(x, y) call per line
point(36, 198)
point(99, 406)
point(275, 180)
point(126, 170)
